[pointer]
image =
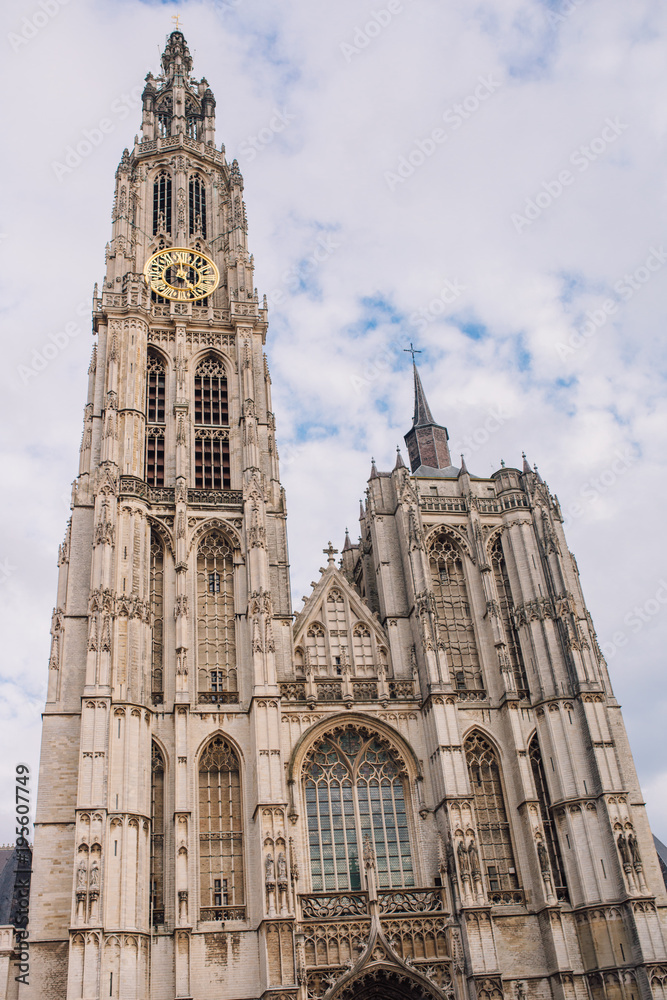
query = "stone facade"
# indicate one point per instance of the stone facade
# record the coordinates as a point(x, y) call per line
point(421, 787)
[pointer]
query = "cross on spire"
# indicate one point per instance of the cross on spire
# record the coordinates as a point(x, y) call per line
point(176, 18)
point(330, 552)
point(411, 350)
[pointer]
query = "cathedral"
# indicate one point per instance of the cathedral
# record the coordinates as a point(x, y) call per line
point(419, 788)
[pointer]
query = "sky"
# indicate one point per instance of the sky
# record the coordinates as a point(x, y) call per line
point(484, 180)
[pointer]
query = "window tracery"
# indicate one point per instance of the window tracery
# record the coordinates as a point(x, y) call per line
point(220, 829)
point(157, 616)
point(316, 647)
point(548, 823)
point(163, 116)
point(216, 629)
point(155, 415)
point(492, 821)
point(362, 647)
point(157, 837)
point(193, 121)
point(356, 790)
point(454, 615)
point(212, 467)
point(507, 617)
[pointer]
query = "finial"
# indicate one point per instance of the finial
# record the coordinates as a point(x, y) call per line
point(537, 474)
point(526, 467)
point(176, 18)
point(330, 552)
point(400, 464)
point(502, 463)
point(362, 512)
point(374, 471)
point(348, 543)
point(464, 467)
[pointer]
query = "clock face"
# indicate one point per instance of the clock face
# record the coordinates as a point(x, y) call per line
point(182, 275)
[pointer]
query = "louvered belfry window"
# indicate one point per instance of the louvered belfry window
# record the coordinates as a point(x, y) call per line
point(220, 830)
point(162, 203)
point(495, 841)
point(155, 420)
point(197, 206)
point(454, 615)
point(212, 469)
point(356, 787)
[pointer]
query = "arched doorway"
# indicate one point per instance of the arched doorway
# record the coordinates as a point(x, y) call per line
point(386, 984)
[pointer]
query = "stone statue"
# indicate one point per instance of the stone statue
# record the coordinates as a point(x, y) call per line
point(94, 877)
point(282, 868)
point(464, 862)
point(270, 868)
point(81, 876)
point(543, 857)
point(634, 849)
point(623, 849)
point(474, 858)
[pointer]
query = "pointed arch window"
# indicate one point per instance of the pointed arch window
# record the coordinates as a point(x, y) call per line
point(212, 468)
point(493, 826)
point(220, 833)
point(548, 823)
point(216, 628)
point(211, 406)
point(197, 205)
point(356, 791)
point(157, 837)
point(362, 645)
point(157, 618)
point(507, 617)
point(162, 203)
point(163, 117)
point(155, 410)
point(453, 613)
point(193, 121)
point(316, 647)
point(335, 612)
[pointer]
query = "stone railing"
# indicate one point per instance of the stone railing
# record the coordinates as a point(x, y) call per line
point(364, 690)
point(222, 913)
point(473, 694)
point(437, 505)
point(332, 905)
point(320, 906)
point(329, 691)
point(507, 897)
point(293, 692)
point(411, 900)
point(401, 690)
point(215, 498)
point(218, 697)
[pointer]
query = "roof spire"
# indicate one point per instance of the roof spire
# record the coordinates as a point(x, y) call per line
point(426, 440)
point(374, 470)
point(348, 543)
point(400, 464)
point(526, 467)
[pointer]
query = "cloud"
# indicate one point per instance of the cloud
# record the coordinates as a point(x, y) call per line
point(323, 177)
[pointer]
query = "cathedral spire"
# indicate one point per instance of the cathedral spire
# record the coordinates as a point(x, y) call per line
point(426, 441)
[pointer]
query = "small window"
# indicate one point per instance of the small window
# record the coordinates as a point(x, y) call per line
point(214, 583)
point(494, 881)
point(220, 892)
point(217, 680)
point(460, 680)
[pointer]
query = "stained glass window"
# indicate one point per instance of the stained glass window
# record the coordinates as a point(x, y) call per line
point(356, 790)
point(454, 617)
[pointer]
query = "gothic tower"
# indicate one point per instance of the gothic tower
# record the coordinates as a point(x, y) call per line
point(419, 788)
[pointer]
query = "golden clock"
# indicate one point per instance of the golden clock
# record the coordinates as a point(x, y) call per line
point(181, 274)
